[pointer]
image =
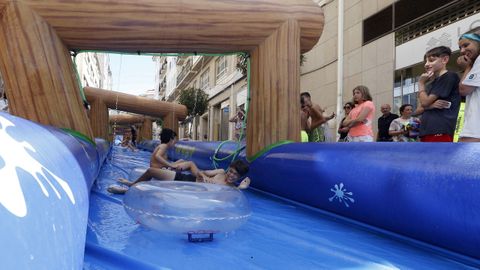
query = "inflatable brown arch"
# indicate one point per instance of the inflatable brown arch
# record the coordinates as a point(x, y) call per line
point(36, 36)
point(141, 122)
point(100, 100)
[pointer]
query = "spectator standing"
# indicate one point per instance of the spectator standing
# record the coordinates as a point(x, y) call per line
point(304, 115)
point(240, 127)
point(405, 128)
point(315, 113)
point(384, 122)
point(360, 118)
point(440, 99)
point(469, 87)
point(342, 129)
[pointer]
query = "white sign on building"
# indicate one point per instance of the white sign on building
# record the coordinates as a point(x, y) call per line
point(412, 52)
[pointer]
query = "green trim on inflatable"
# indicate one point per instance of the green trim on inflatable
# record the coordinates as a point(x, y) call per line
point(266, 149)
point(79, 135)
point(140, 53)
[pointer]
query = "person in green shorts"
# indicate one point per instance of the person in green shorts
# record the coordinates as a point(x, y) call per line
point(315, 113)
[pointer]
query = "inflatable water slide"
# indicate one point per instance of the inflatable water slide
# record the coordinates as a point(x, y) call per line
point(311, 206)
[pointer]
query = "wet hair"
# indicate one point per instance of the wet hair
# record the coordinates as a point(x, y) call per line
point(351, 104)
point(240, 166)
point(303, 95)
point(365, 92)
point(474, 36)
point(402, 108)
point(167, 135)
point(438, 52)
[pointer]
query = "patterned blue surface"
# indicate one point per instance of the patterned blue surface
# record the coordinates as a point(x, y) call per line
point(43, 196)
point(279, 235)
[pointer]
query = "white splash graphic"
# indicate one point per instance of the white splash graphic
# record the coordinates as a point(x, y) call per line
point(11, 194)
point(342, 195)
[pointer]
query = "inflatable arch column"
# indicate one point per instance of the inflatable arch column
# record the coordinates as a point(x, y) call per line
point(38, 72)
point(35, 37)
point(144, 124)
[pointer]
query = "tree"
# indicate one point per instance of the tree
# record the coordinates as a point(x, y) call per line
point(196, 101)
point(242, 60)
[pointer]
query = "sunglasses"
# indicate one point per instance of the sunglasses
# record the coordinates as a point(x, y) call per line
point(347, 107)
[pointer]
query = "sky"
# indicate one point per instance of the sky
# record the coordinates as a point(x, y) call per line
point(132, 74)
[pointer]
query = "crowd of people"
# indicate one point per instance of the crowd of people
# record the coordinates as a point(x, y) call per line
point(434, 119)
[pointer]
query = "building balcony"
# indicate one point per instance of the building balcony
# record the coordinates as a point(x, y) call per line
point(185, 71)
point(174, 95)
point(200, 61)
point(163, 75)
point(181, 60)
point(192, 65)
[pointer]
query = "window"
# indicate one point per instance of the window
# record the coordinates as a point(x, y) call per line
point(221, 64)
point(412, 18)
point(434, 21)
point(409, 10)
point(378, 25)
point(204, 80)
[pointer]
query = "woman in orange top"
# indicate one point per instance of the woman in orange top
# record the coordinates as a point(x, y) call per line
point(359, 120)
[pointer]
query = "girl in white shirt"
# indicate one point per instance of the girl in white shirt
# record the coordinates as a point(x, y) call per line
point(469, 86)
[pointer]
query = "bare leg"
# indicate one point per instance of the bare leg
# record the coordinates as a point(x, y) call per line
point(117, 189)
point(468, 139)
point(144, 177)
point(160, 174)
point(188, 165)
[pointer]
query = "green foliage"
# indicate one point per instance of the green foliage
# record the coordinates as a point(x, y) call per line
point(159, 122)
point(196, 101)
point(242, 60)
point(303, 59)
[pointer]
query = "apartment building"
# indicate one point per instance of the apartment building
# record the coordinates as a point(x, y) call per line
point(218, 76)
point(382, 47)
point(94, 70)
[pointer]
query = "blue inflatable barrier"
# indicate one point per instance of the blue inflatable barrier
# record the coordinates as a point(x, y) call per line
point(201, 152)
point(425, 191)
point(204, 153)
point(148, 145)
point(46, 174)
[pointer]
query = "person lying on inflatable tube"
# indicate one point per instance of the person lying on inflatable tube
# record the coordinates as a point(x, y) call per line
point(235, 171)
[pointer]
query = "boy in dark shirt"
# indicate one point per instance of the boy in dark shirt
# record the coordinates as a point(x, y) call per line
point(440, 98)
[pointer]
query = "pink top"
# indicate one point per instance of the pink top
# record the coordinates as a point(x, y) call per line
point(365, 128)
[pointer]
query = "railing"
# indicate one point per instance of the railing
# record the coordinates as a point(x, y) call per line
point(185, 70)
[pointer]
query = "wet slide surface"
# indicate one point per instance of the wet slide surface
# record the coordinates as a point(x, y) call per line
point(278, 235)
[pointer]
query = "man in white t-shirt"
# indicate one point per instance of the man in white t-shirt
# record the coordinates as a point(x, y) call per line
point(470, 85)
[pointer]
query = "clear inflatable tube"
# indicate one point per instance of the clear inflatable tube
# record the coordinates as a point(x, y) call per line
point(186, 207)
